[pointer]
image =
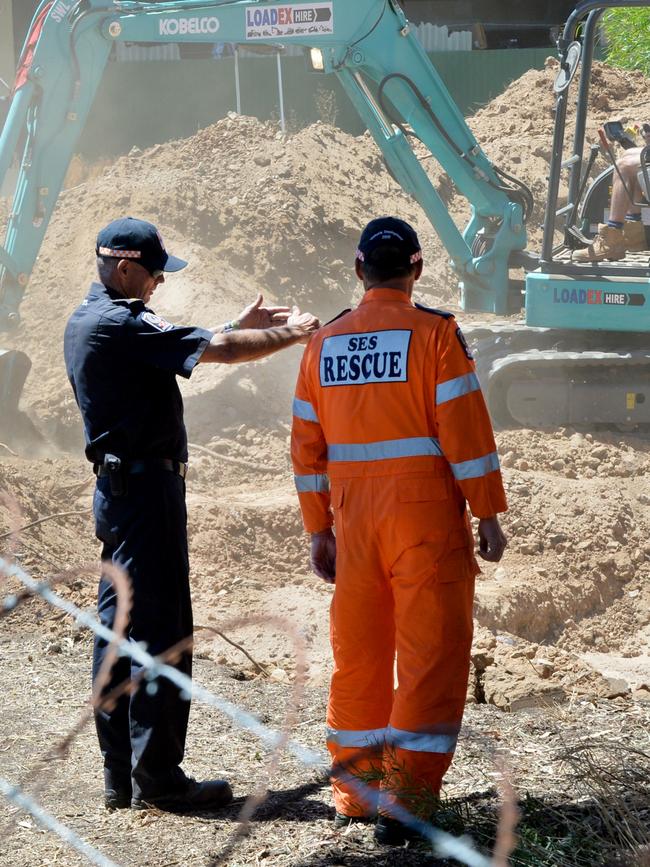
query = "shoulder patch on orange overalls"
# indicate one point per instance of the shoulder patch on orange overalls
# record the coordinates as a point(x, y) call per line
point(338, 316)
point(444, 313)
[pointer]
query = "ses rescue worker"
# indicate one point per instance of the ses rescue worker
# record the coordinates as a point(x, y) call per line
point(122, 361)
point(391, 443)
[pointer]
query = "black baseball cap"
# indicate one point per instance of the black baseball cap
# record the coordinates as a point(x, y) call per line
point(390, 232)
point(128, 238)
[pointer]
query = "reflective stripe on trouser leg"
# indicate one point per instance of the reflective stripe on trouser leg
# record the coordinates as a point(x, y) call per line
point(433, 586)
point(426, 594)
point(361, 631)
point(414, 766)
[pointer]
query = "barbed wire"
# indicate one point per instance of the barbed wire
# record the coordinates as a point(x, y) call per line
point(155, 667)
point(152, 668)
point(15, 796)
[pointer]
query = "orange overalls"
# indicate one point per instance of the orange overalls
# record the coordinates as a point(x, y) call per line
point(391, 432)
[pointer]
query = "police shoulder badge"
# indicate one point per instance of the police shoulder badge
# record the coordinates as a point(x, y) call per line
point(463, 342)
point(156, 322)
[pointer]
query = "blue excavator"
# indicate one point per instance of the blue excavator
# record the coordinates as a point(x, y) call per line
point(578, 351)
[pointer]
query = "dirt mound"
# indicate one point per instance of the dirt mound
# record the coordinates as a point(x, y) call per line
point(575, 576)
point(31, 493)
point(569, 608)
point(566, 614)
point(251, 209)
point(257, 211)
point(513, 674)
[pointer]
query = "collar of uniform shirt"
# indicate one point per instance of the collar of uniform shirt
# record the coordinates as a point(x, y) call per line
point(386, 295)
point(112, 293)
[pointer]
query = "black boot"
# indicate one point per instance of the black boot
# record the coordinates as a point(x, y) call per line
point(391, 832)
point(209, 795)
point(342, 821)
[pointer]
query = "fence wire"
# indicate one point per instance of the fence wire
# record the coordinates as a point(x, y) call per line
point(14, 795)
point(443, 844)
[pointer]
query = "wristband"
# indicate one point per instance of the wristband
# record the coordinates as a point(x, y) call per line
point(233, 325)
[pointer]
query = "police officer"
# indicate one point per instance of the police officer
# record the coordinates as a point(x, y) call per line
point(122, 361)
point(391, 443)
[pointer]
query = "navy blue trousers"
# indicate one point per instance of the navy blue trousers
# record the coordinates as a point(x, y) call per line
point(142, 738)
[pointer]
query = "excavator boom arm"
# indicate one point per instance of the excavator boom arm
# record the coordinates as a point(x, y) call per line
point(367, 44)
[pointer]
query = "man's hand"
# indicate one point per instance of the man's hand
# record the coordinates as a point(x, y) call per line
point(323, 555)
point(492, 539)
point(304, 321)
point(256, 316)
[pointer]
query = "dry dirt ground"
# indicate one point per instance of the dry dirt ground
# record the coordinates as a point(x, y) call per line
point(560, 681)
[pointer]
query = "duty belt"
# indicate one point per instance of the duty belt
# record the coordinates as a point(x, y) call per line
point(133, 468)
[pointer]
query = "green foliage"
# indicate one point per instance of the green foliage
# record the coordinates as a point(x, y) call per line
point(628, 38)
point(603, 820)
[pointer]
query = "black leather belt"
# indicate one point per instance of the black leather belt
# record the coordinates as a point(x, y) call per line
point(146, 466)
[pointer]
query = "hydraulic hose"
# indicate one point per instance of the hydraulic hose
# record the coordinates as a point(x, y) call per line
point(520, 194)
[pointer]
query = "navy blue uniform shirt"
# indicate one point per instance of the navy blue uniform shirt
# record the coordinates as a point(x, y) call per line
point(122, 361)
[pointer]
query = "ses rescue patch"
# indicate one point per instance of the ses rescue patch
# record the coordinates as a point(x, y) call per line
point(361, 359)
point(156, 322)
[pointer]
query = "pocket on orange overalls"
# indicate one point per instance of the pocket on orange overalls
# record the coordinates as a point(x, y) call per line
point(422, 489)
point(458, 562)
point(427, 513)
point(417, 510)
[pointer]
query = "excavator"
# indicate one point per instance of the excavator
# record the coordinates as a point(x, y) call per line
point(573, 345)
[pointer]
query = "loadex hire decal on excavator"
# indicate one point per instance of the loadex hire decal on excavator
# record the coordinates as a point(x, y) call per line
point(291, 20)
point(597, 296)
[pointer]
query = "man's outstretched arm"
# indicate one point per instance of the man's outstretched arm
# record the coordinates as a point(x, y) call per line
point(255, 315)
point(234, 347)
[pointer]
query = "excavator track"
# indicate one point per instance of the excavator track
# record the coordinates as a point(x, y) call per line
point(543, 377)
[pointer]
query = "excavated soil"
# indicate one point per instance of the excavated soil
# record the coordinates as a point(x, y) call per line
point(563, 622)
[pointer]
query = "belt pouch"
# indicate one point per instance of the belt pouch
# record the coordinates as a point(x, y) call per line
point(117, 475)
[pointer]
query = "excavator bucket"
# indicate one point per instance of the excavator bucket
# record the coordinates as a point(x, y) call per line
point(14, 367)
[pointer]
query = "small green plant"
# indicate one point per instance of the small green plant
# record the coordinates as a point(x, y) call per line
point(603, 822)
point(627, 33)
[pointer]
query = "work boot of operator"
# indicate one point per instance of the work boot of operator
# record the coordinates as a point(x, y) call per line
point(634, 236)
point(609, 244)
point(612, 243)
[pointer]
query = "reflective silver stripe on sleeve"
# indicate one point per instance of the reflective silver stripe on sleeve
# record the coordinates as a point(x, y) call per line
point(404, 448)
point(476, 468)
point(456, 387)
point(318, 483)
point(304, 410)
point(420, 742)
point(356, 738)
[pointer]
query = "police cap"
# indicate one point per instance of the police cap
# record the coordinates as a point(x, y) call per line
point(390, 232)
point(128, 238)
